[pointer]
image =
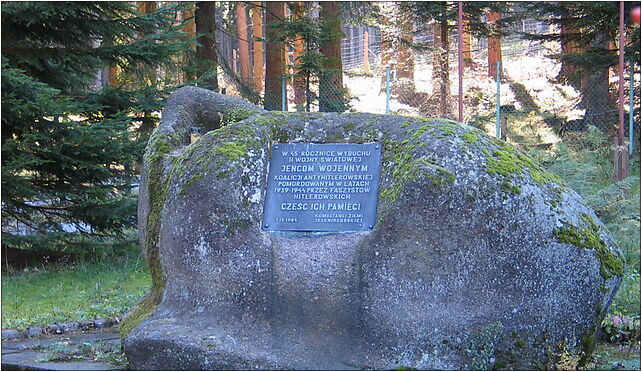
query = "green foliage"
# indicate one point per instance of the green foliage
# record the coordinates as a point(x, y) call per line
point(69, 146)
point(72, 292)
point(482, 346)
point(589, 22)
point(473, 11)
point(312, 65)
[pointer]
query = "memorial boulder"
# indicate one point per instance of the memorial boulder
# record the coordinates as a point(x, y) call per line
point(358, 241)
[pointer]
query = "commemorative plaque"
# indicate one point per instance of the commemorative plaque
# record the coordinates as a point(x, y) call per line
point(322, 187)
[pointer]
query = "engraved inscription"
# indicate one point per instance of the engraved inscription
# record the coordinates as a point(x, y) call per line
point(322, 187)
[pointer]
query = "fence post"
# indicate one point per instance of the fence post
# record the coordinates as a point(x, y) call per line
point(631, 87)
point(460, 57)
point(499, 82)
point(621, 153)
point(388, 90)
point(284, 93)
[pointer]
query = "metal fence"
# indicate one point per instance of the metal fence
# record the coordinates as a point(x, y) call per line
point(524, 100)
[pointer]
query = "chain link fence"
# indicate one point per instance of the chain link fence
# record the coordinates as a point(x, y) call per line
point(528, 98)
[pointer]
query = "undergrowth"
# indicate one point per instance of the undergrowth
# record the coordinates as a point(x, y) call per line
point(585, 161)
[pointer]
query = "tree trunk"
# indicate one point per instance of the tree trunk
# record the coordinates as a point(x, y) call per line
point(366, 53)
point(299, 80)
point(189, 30)
point(148, 7)
point(405, 68)
point(569, 73)
point(494, 46)
point(257, 33)
point(113, 75)
point(467, 45)
point(244, 46)
point(596, 99)
point(387, 37)
point(274, 56)
point(331, 92)
point(397, 26)
point(441, 78)
point(206, 59)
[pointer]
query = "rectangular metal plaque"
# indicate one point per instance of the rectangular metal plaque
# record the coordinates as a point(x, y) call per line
point(322, 187)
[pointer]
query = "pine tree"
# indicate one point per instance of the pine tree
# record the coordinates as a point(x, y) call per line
point(318, 59)
point(66, 148)
point(274, 55)
point(587, 31)
point(244, 43)
point(440, 18)
point(332, 94)
point(206, 58)
point(297, 11)
point(257, 36)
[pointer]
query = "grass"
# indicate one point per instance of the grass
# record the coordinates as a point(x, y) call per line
point(72, 292)
point(615, 357)
point(65, 351)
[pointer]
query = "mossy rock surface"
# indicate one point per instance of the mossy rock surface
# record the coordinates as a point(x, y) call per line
point(476, 249)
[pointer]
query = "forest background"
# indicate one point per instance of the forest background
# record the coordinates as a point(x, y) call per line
point(84, 83)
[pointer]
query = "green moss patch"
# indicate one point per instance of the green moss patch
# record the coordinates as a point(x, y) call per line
point(586, 236)
point(237, 114)
point(508, 162)
point(159, 147)
point(510, 188)
point(470, 137)
point(348, 127)
point(232, 150)
point(442, 177)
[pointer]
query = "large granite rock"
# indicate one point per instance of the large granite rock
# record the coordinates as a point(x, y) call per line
point(479, 259)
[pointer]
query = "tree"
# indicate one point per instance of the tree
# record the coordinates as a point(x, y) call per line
point(274, 56)
point(467, 45)
point(206, 58)
point(257, 35)
point(311, 66)
point(569, 73)
point(439, 18)
point(494, 45)
point(148, 7)
point(297, 10)
point(331, 91)
point(64, 146)
point(588, 29)
point(189, 28)
point(440, 76)
point(397, 44)
point(244, 45)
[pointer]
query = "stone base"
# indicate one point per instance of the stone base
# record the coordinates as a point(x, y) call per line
point(197, 344)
